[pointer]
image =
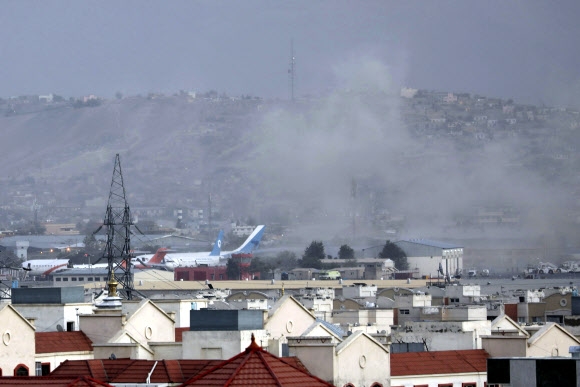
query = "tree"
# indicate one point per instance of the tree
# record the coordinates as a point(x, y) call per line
point(313, 255)
point(233, 269)
point(92, 246)
point(345, 252)
point(286, 260)
point(394, 252)
point(260, 266)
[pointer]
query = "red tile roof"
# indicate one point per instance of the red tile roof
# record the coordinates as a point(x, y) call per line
point(438, 362)
point(133, 371)
point(255, 367)
point(78, 381)
point(49, 342)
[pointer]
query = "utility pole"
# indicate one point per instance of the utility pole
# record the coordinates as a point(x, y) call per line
point(118, 222)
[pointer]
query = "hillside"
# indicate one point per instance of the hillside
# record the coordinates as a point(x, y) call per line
point(349, 163)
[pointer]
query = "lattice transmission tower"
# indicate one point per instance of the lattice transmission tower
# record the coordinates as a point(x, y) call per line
point(118, 222)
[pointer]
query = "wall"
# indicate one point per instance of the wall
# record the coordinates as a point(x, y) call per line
point(49, 316)
point(219, 344)
point(17, 343)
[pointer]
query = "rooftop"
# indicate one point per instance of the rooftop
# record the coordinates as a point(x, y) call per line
point(438, 362)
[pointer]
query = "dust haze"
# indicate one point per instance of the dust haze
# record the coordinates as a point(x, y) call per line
point(351, 154)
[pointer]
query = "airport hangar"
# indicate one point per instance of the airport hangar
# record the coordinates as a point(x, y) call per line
point(427, 256)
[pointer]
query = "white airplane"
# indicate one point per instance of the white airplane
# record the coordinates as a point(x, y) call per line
point(170, 261)
point(213, 258)
point(49, 266)
point(44, 266)
point(249, 245)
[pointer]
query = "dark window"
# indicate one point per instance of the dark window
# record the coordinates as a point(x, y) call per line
point(81, 278)
point(45, 369)
point(70, 326)
point(73, 279)
point(21, 370)
point(404, 311)
point(58, 279)
point(65, 279)
point(89, 278)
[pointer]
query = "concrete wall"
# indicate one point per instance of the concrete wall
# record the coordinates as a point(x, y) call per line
point(101, 328)
point(319, 357)
point(150, 324)
point(48, 316)
point(505, 346)
point(219, 344)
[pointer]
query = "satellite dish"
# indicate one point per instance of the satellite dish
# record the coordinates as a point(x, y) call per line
point(59, 328)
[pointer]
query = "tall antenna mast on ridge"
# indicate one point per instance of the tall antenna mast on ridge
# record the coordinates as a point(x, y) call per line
point(292, 69)
point(118, 222)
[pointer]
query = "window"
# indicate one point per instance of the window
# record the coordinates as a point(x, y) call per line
point(73, 279)
point(38, 368)
point(45, 369)
point(445, 385)
point(454, 300)
point(376, 384)
point(81, 278)
point(21, 370)
point(70, 326)
point(89, 278)
point(58, 279)
point(403, 311)
point(65, 279)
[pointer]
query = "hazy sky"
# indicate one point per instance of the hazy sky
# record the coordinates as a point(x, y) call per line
point(521, 49)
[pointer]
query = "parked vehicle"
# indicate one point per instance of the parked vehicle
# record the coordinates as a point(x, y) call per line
point(569, 266)
point(547, 268)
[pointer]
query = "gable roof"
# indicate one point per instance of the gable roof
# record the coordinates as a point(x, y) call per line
point(13, 309)
point(504, 318)
point(355, 336)
point(438, 362)
point(78, 381)
point(278, 305)
point(255, 367)
point(53, 342)
point(332, 330)
point(136, 371)
point(547, 328)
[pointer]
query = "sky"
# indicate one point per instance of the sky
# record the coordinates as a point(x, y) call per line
point(525, 50)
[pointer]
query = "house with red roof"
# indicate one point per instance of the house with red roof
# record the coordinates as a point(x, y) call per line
point(466, 368)
point(52, 348)
point(255, 367)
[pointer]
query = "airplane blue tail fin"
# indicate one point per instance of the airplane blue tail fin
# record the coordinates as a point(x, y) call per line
point(253, 241)
point(217, 246)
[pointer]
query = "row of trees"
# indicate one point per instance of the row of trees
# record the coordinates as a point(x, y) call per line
point(312, 258)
